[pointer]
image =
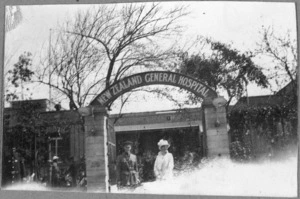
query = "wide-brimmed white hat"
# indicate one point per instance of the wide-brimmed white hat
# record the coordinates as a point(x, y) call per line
point(55, 158)
point(163, 142)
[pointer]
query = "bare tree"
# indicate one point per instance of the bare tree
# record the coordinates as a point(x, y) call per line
point(105, 44)
point(282, 50)
point(128, 35)
point(72, 69)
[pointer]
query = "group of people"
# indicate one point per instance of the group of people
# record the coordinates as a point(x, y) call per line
point(130, 170)
point(127, 165)
point(73, 176)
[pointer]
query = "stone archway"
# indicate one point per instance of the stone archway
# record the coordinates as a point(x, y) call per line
point(98, 139)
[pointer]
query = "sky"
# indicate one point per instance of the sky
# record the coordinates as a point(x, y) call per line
point(237, 23)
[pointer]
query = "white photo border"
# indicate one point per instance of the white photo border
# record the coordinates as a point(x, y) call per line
point(74, 195)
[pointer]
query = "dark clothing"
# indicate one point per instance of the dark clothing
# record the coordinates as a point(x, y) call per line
point(127, 170)
point(72, 171)
point(17, 169)
point(148, 172)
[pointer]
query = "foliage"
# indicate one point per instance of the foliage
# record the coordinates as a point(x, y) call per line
point(276, 121)
point(28, 128)
point(223, 69)
point(21, 131)
point(242, 113)
point(239, 152)
point(18, 76)
point(264, 120)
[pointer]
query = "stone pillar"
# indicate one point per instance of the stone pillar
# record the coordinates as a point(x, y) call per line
point(215, 129)
point(96, 149)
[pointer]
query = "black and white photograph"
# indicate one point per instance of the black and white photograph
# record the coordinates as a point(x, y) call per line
point(192, 98)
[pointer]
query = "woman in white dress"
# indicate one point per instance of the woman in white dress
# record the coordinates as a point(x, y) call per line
point(164, 163)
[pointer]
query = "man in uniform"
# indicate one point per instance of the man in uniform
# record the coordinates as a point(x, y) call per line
point(16, 166)
point(127, 168)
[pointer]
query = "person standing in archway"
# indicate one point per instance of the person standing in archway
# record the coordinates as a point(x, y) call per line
point(127, 168)
point(55, 172)
point(164, 163)
point(148, 165)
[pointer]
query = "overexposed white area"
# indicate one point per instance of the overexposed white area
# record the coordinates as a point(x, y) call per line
point(222, 176)
point(30, 186)
point(218, 176)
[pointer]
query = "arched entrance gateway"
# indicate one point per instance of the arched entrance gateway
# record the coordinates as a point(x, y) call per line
point(100, 144)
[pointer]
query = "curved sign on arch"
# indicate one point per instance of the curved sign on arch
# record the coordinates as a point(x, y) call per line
point(154, 77)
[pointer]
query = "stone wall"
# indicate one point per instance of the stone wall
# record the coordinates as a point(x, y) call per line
point(96, 150)
point(217, 139)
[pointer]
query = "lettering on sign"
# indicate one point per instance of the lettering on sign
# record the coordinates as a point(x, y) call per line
point(156, 77)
